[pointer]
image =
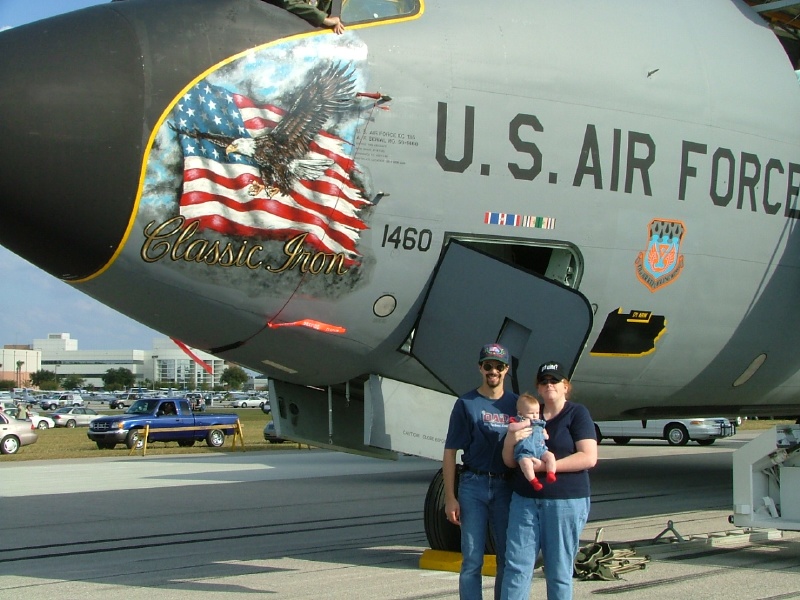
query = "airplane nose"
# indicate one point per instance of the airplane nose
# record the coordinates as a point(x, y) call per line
point(71, 105)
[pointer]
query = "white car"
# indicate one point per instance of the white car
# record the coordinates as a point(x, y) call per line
point(39, 422)
point(250, 401)
point(678, 432)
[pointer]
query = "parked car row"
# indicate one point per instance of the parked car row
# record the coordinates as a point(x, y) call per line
point(15, 433)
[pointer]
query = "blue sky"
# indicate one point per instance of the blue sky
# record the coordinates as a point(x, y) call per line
point(33, 303)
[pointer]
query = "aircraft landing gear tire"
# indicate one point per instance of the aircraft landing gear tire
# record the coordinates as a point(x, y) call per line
point(441, 533)
point(677, 435)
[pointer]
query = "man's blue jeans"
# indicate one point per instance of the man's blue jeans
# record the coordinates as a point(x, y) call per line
point(555, 527)
point(482, 500)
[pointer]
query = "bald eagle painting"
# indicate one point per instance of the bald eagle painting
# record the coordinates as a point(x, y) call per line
point(255, 169)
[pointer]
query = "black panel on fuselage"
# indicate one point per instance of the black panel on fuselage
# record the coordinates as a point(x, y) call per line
point(76, 157)
point(476, 299)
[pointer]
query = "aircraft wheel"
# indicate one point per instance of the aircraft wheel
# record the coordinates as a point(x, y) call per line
point(677, 435)
point(441, 533)
point(215, 438)
point(621, 440)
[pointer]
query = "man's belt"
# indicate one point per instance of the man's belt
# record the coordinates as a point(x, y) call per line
point(503, 475)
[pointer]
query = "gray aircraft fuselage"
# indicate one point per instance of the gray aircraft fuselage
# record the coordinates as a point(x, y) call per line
point(639, 160)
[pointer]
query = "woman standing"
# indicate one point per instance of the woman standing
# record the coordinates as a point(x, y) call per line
point(550, 519)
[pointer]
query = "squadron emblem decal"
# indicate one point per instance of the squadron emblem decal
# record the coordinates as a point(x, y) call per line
point(661, 263)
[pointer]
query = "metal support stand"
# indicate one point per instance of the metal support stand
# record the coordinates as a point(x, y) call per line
point(670, 527)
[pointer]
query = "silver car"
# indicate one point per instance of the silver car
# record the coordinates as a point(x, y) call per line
point(14, 433)
point(677, 432)
point(74, 416)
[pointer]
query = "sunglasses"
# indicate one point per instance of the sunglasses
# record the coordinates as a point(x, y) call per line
point(549, 380)
point(499, 367)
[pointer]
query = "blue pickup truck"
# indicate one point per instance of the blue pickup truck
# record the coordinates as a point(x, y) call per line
point(170, 420)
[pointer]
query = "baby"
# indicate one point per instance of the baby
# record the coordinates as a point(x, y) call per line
point(531, 453)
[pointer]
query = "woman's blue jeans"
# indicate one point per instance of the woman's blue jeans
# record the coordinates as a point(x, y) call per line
point(552, 526)
point(482, 500)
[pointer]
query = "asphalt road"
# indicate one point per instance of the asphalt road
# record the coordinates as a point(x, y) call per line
point(315, 524)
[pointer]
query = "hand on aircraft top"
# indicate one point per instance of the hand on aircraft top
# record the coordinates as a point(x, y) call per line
point(334, 23)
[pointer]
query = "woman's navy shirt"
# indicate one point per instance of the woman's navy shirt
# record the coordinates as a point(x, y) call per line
point(571, 425)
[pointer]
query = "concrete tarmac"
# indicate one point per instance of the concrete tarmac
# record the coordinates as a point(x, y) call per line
point(314, 524)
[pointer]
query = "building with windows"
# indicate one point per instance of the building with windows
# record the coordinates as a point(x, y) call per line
point(17, 362)
point(166, 362)
point(171, 364)
point(60, 354)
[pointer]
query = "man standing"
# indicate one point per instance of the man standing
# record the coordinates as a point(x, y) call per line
point(478, 425)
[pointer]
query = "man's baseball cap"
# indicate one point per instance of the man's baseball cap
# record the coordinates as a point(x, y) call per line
point(550, 369)
point(494, 352)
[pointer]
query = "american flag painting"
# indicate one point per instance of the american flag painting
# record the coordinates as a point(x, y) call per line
point(226, 192)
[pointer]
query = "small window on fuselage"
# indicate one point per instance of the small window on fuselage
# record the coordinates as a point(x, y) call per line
point(363, 11)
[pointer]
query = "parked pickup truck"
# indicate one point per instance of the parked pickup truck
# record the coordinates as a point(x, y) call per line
point(161, 413)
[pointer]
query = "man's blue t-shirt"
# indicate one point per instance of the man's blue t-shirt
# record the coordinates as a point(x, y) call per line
point(571, 425)
point(478, 426)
